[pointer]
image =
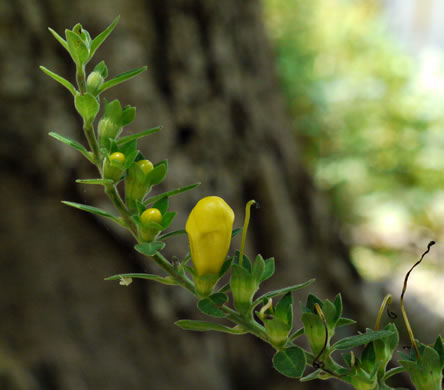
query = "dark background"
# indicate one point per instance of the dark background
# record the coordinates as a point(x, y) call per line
point(211, 85)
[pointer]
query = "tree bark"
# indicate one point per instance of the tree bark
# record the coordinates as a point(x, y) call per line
point(211, 85)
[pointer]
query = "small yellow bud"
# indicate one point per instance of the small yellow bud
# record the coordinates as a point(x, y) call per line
point(146, 166)
point(209, 227)
point(117, 157)
point(151, 215)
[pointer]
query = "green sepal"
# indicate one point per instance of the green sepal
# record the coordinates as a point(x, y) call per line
point(128, 115)
point(243, 287)
point(73, 144)
point(128, 148)
point(149, 248)
point(361, 339)
point(225, 266)
point(309, 306)
point(161, 205)
point(297, 334)
point(87, 106)
point(102, 182)
point(290, 362)
point(156, 278)
point(172, 234)
point(134, 137)
point(318, 374)
point(314, 331)
point(60, 80)
point(159, 173)
point(121, 78)
point(59, 39)
point(268, 270)
point(425, 373)
point(177, 191)
point(258, 269)
point(204, 326)
point(130, 158)
point(168, 219)
point(439, 347)
point(211, 305)
point(92, 210)
point(102, 69)
point(368, 358)
point(77, 48)
point(279, 326)
point(99, 39)
point(282, 291)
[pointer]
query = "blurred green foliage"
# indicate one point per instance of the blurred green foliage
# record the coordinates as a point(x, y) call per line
point(370, 121)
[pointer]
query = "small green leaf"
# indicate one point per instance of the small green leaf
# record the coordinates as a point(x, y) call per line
point(345, 322)
point(87, 106)
point(161, 205)
point(59, 38)
point(290, 362)
point(60, 80)
point(77, 48)
point(156, 278)
point(204, 326)
point(73, 144)
point(150, 248)
point(121, 78)
point(268, 270)
point(235, 232)
point(171, 193)
point(102, 182)
point(361, 339)
point(128, 115)
point(133, 137)
point(99, 39)
point(225, 267)
point(282, 291)
point(211, 308)
point(130, 158)
point(92, 210)
point(172, 234)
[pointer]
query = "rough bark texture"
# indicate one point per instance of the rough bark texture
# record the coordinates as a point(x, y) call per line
point(211, 85)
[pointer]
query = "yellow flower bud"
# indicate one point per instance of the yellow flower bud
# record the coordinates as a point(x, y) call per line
point(117, 157)
point(146, 166)
point(209, 228)
point(148, 233)
point(151, 215)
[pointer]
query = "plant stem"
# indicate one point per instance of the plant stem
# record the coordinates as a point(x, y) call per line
point(117, 201)
point(81, 79)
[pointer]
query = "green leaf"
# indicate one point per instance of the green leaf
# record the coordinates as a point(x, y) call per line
point(92, 210)
point(172, 234)
point(156, 278)
point(361, 339)
point(284, 309)
point(102, 182)
point(290, 362)
point(60, 80)
point(87, 106)
point(77, 48)
point(225, 267)
point(99, 39)
point(73, 144)
point(171, 193)
point(161, 205)
point(150, 248)
point(439, 347)
point(282, 291)
point(59, 38)
point(121, 78)
point(345, 322)
point(204, 326)
point(210, 306)
point(128, 115)
point(133, 137)
point(130, 158)
point(268, 270)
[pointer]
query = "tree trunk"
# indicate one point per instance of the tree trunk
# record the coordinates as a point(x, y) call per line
point(211, 85)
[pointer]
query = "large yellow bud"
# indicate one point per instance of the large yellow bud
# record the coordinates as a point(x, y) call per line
point(209, 228)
